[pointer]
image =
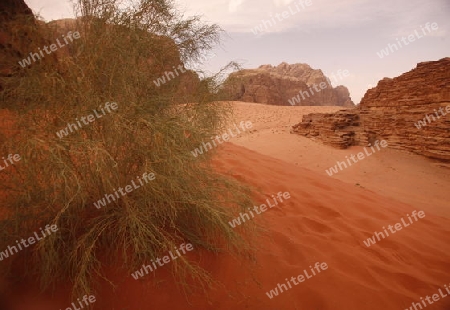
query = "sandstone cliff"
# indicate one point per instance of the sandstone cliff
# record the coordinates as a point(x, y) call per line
point(279, 85)
point(392, 111)
point(21, 33)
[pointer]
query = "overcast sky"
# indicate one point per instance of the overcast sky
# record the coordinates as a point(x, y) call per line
point(330, 35)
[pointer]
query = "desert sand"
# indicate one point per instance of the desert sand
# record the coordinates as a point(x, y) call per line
point(325, 220)
point(403, 176)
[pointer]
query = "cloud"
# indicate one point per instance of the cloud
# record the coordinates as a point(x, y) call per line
point(280, 3)
point(420, 28)
point(233, 5)
point(242, 16)
point(400, 16)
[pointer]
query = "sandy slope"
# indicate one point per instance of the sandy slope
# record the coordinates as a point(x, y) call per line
point(408, 178)
point(325, 220)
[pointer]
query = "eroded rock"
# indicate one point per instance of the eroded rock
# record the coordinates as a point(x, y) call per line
point(392, 111)
point(280, 85)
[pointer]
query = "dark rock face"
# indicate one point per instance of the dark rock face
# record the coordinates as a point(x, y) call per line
point(9, 9)
point(392, 111)
point(13, 42)
point(279, 85)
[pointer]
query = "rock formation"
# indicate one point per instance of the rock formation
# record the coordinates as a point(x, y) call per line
point(18, 31)
point(281, 84)
point(185, 83)
point(21, 33)
point(335, 129)
point(392, 111)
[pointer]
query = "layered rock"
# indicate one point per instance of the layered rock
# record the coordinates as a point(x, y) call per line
point(392, 111)
point(280, 85)
point(335, 129)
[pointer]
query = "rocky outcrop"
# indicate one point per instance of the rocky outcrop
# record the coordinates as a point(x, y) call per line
point(9, 9)
point(21, 33)
point(335, 129)
point(285, 84)
point(17, 32)
point(411, 112)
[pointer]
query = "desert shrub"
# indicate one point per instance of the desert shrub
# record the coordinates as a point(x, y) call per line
point(120, 52)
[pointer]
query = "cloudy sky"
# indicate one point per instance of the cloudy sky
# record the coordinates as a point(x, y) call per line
point(330, 35)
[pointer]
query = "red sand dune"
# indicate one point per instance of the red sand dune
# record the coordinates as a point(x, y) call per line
point(325, 220)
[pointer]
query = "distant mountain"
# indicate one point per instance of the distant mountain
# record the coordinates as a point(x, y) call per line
point(285, 84)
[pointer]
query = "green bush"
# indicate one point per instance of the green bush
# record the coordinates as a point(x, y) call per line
point(120, 52)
